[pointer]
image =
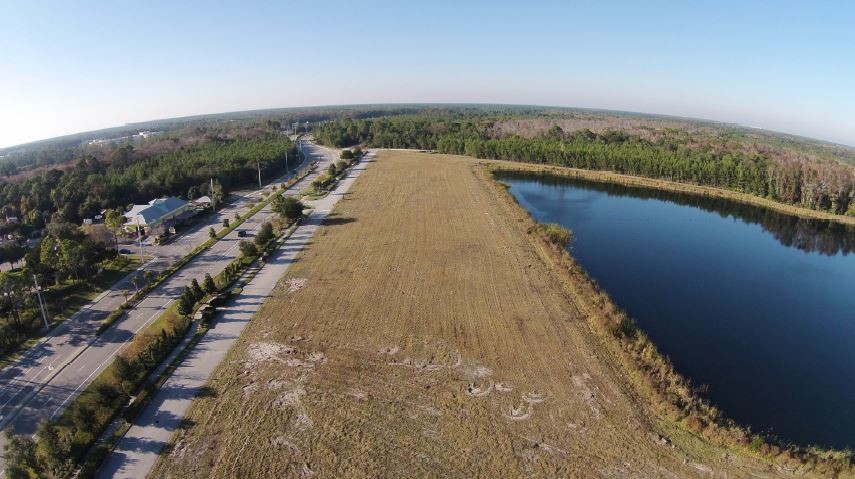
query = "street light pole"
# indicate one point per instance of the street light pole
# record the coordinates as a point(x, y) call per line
point(139, 235)
point(41, 301)
point(258, 165)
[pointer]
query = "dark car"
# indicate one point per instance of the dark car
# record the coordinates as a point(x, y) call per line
point(124, 251)
point(241, 233)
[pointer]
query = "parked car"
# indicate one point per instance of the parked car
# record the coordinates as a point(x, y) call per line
point(124, 251)
point(241, 233)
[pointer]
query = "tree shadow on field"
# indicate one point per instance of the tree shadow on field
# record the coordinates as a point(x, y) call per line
point(336, 221)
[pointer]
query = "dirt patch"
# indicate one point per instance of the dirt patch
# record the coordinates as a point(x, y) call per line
point(292, 285)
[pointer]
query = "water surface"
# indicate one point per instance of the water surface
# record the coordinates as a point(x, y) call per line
point(757, 305)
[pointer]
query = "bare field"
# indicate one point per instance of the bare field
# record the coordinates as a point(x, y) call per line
point(421, 334)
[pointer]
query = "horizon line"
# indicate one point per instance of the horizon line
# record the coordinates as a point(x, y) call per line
point(6, 150)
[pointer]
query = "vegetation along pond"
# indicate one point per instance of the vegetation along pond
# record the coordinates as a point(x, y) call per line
point(757, 305)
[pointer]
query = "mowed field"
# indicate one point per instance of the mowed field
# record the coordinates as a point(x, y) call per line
point(421, 334)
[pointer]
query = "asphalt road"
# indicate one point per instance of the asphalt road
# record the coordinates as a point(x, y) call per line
point(137, 451)
point(48, 376)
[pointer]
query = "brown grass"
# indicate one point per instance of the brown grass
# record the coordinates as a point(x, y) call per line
point(424, 333)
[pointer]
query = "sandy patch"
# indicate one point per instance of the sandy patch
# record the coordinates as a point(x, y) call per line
point(292, 285)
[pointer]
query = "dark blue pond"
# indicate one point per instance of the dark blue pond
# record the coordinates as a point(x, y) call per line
point(757, 305)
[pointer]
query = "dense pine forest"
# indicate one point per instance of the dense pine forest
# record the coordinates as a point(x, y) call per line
point(691, 155)
point(125, 175)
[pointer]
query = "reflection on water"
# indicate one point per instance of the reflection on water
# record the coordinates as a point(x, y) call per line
point(758, 305)
point(810, 235)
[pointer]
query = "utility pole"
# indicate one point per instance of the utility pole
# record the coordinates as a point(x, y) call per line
point(286, 163)
point(41, 302)
point(213, 197)
point(258, 165)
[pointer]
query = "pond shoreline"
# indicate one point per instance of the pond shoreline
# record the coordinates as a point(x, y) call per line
point(670, 395)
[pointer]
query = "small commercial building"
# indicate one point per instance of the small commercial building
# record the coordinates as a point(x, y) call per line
point(158, 215)
point(203, 202)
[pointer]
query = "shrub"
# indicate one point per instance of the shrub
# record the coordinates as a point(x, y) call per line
point(322, 182)
point(225, 223)
point(346, 155)
point(265, 234)
point(247, 248)
point(288, 207)
point(340, 166)
point(555, 234)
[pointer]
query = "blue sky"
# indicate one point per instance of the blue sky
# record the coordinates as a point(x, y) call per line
point(67, 67)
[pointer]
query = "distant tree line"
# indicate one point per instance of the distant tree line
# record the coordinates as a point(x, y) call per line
point(93, 184)
point(824, 186)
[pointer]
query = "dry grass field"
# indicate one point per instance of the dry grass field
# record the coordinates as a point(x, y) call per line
point(421, 334)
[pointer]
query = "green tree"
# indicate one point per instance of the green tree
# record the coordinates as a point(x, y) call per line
point(126, 373)
point(15, 294)
point(217, 193)
point(225, 222)
point(53, 452)
point(11, 253)
point(265, 234)
point(346, 155)
point(20, 455)
point(186, 302)
point(209, 285)
point(197, 291)
point(247, 248)
point(288, 207)
point(212, 233)
point(50, 256)
point(115, 221)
